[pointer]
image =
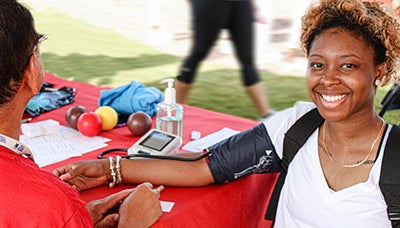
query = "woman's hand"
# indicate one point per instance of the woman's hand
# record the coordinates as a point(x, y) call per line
point(84, 175)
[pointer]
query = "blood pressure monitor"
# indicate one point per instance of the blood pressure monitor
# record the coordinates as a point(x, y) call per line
point(156, 142)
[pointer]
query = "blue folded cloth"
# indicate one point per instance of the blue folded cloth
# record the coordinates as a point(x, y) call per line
point(131, 98)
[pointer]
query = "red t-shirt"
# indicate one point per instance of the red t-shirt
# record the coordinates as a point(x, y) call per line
point(31, 197)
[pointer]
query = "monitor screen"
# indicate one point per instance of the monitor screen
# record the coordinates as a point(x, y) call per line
point(156, 141)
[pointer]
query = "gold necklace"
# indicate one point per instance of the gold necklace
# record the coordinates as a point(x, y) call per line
point(358, 163)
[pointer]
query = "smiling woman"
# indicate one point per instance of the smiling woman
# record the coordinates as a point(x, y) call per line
point(333, 178)
point(342, 74)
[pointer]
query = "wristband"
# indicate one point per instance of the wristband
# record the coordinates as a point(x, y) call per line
point(113, 174)
point(118, 169)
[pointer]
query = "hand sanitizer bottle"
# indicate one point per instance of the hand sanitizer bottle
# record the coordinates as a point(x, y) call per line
point(169, 113)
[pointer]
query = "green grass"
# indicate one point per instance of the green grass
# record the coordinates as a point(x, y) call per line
point(80, 51)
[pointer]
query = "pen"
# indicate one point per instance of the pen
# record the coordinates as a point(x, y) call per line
point(159, 189)
point(26, 120)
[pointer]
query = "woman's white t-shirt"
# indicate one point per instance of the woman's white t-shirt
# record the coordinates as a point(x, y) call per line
point(306, 199)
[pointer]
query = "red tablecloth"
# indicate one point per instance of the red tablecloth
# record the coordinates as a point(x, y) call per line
point(238, 204)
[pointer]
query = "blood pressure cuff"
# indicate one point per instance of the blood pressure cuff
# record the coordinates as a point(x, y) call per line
point(50, 98)
point(245, 153)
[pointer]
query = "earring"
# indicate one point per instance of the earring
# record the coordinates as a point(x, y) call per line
point(377, 82)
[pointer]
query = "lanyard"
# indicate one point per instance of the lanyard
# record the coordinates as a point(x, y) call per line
point(16, 146)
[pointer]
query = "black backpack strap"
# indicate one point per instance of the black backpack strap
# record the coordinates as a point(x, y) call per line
point(389, 181)
point(294, 139)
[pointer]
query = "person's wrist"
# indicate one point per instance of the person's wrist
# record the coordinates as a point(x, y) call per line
point(112, 171)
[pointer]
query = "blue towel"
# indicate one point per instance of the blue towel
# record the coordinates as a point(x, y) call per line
point(131, 98)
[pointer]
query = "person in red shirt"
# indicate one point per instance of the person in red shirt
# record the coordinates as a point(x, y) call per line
point(31, 197)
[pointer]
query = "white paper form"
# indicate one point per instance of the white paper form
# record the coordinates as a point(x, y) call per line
point(52, 148)
point(209, 140)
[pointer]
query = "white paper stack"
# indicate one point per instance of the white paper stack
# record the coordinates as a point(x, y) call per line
point(44, 127)
point(51, 148)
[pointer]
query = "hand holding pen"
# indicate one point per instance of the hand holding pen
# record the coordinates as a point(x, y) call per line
point(142, 207)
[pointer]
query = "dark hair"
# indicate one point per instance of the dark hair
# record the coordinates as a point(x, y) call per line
point(18, 38)
point(376, 23)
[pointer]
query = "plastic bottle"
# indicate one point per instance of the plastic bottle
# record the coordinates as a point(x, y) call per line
point(169, 113)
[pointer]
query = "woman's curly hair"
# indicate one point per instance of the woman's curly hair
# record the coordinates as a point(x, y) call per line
point(377, 23)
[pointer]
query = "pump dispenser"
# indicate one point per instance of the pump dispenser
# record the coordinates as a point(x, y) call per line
point(169, 113)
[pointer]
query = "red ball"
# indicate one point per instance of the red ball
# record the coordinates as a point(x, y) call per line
point(139, 123)
point(72, 115)
point(89, 124)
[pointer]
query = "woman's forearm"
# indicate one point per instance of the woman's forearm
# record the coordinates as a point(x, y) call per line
point(166, 172)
